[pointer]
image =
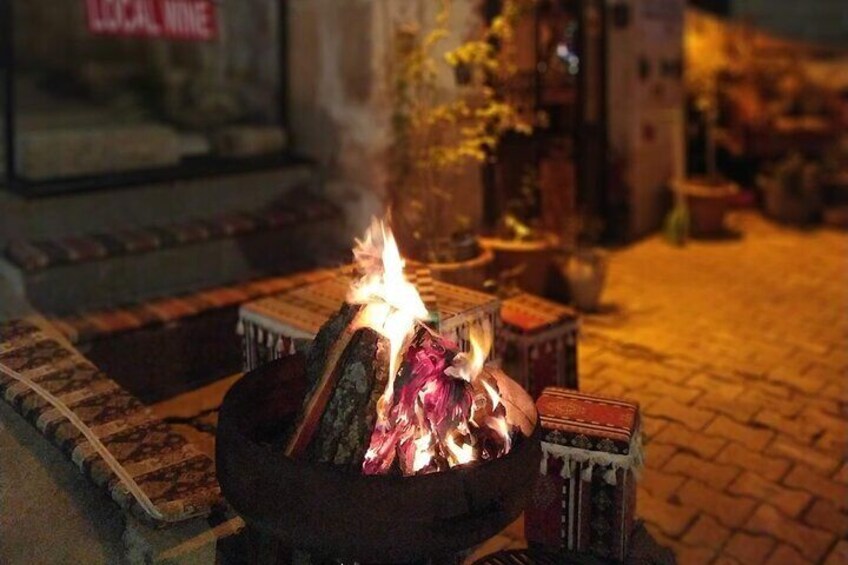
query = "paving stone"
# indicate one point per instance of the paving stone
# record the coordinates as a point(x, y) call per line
point(825, 515)
point(732, 511)
point(772, 468)
point(739, 409)
point(695, 442)
point(811, 542)
point(753, 438)
point(842, 474)
point(688, 555)
point(800, 430)
point(646, 399)
point(796, 379)
point(819, 460)
point(749, 549)
point(818, 417)
point(787, 555)
point(808, 479)
point(691, 417)
point(778, 392)
point(651, 427)
point(787, 408)
point(657, 454)
point(712, 384)
point(659, 484)
point(839, 554)
point(590, 384)
point(789, 501)
point(714, 474)
point(672, 519)
point(707, 532)
point(682, 394)
point(831, 442)
point(675, 374)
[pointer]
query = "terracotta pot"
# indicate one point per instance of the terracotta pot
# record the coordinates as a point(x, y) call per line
point(533, 257)
point(471, 273)
point(707, 201)
point(586, 273)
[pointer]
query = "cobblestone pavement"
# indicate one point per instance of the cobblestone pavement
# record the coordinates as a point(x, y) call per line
point(738, 353)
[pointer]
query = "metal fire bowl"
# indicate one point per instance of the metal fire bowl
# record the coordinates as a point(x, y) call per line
point(378, 519)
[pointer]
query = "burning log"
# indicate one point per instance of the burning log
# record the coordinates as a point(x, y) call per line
point(347, 368)
point(430, 408)
point(348, 420)
point(389, 395)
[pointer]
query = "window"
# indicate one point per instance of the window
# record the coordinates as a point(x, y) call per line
point(111, 91)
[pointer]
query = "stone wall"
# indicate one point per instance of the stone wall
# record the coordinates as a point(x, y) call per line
point(339, 60)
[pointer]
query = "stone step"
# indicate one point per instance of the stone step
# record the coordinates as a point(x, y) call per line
point(105, 269)
point(155, 204)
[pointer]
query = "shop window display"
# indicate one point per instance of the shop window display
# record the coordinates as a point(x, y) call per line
point(114, 88)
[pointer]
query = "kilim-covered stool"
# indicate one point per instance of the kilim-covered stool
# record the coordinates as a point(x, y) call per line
point(278, 325)
point(537, 342)
point(585, 499)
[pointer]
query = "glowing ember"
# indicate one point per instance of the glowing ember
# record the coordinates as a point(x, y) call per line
point(439, 409)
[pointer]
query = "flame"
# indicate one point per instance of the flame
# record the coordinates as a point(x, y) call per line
point(423, 452)
point(500, 425)
point(459, 454)
point(494, 395)
point(480, 337)
point(468, 366)
point(435, 422)
point(392, 304)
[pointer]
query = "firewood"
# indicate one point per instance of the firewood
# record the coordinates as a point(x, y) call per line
point(328, 335)
point(322, 390)
point(349, 418)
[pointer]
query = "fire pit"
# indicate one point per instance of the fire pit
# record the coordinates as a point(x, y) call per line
point(388, 443)
point(370, 518)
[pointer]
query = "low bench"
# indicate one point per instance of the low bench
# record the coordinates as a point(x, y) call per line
point(145, 466)
point(160, 348)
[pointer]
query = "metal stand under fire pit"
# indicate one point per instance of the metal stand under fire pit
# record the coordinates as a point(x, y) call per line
point(348, 517)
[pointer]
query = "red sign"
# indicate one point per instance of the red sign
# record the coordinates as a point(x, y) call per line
point(193, 20)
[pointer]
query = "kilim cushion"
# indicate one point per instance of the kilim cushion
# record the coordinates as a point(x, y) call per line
point(92, 325)
point(147, 468)
point(43, 254)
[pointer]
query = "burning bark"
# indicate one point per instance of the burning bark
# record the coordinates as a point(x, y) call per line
point(388, 394)
point(346, 424)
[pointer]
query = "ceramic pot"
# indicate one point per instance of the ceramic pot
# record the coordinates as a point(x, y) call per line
point(586, 273)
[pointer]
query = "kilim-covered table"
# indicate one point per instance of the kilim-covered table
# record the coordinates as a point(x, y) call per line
point(280, 324)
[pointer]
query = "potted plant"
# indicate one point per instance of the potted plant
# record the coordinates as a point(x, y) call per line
point(705, 197)
point(440, 133)
point(520, 248)
point(792, 190)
